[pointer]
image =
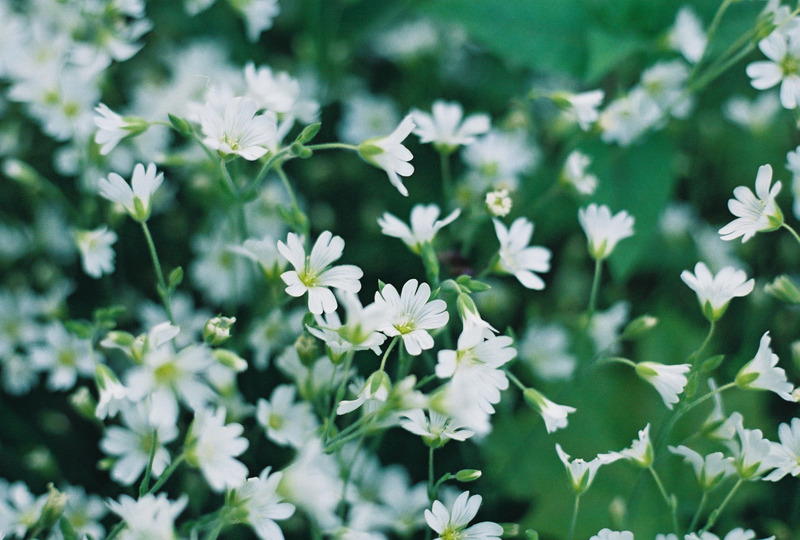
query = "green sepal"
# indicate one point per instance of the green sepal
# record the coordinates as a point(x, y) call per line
point(181, 126)
point(308, 133)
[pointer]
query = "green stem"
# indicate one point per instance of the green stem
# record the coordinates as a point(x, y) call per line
point(241, 222)
point(688, 407)
point(346, 480)
point(574, 521)
point(717, 69)
point(667, 499)
point(598, 270)
point(696, 355)
point(218, 529)
point(791, 230)
point(713, 517)
point(431, 490)
point(145, 485)
point(163, 292)
point(424, 381)
point(252, 186)
point(331, 146)
point(516, 381)
point(386, 354)
point(339, 393)
point(166, 474)
point(699, 512)
point(712, 29)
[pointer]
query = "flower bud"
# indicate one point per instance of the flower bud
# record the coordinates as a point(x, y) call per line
point(510, 530)
point(306, 346)
point(52, 510)
point(83, 403)
point(468, 475)
point(639, 326)
point(218, 330)
point(230, 359)
point(784, 289)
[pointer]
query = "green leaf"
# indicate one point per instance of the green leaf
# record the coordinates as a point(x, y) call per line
point(608, 50)
point(175, 278)
point(81, 329)
point(544, 35)
point(710, 364)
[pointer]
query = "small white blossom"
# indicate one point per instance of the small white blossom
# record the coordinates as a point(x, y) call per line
point(603, 230)
point(608, 534)
point(136, 201)
point(238, 130)
point(787, 453)
point(286, 422)
point(752, 455)
point(761, 372)
point(498, 202)
point(641, 450)
point(112, 128)
point(211, 446)
point(452, 524)
point(519, 259)
point(261, 505)
point(783, 66)
point(687, 35)
point(64, 355)
point(151, 517)
point(358, 334)
point(435, 428)
point(715, 292)
point(668, 380)
point(258, 16)
point(545, 349)
point(553, 414)
point(410, 314)
point(756, 115)
point(710, 470)
point(312, 274)
point(605, 326)
point(584, 107)
point(445, 128)
point(754, 214)
point(424, 225)
point(97, 255)
point(574, 173)
point(581, 473)
point(389, 154)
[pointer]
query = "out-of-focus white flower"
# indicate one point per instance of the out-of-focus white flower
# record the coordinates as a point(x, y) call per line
point(97, 255)
point(710, 470)
point(238, 130)
point(716, 292)
point(605, 326)
point(501, 156)
point(407, 41)
point(581, 473)
point(389, 154)
point(261, 505)
point(64, 355)
point(545, 349)
point(286, 422)
point(754, 214)
point(258, 15)
point(783, 66)
point(211, 446)
point(761, 372)
point(574, 173)
point(787, 453)
point(445, 129)
point(554, 415)
point(312, 274)
point(424, 225)
point(312, 482)
point(281, 93)
point(498, 202)
point(735, 534)
point(410, 314)
point(453, 523)
point(519, 259)
point(608, 534)
point(151, 516)
point(136, 201)
point(603, 230)
point(687, 35)
point(367, 117)
point(668, 380)
point(756, 115)
point(628, 117)
point(581, 107)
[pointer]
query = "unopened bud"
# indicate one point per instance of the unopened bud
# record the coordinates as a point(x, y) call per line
point(83, 403)
point(52, 510)
point(306, 346)
point(639, 326)
point(218, 330)
point(468, 475)
point(230, 359)
point(510, 530)
point(784, 289)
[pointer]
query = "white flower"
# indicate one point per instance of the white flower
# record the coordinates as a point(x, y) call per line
point(605, 326)
point(641, 451)
point(603, 230)
point(498, 203)
point(668, 380)
point(761, 372)
point(375, 389)
point(581, 473)
point(501, 156)
point(211, 446)
point(131, 445)
point(112, 392)
point(258, 15)
point(735, 534)
point(435, 429)
point(687, 35)
point(545, 349)
point(312, 273)
point(519, 259)
point(628, 117)
point(574, 173)
point(136, 201)
point(281, 93)
point(608, 534)
point(715, 292)
point(410, 315)
point(473, 350)
point(452, 525)
point(757, 116)
point(261, 505)
point(264, 252)
point(367, 117)
point(151, 517)
point(359, 334)
point(554, 415)
point(584, 107)
point(389, 154)
point(710, 470)
point(787, 453)
point(424, 225)
point(286, 422)
point(754, 214)
point(112, 128)
point(753, 456)
point(238, 130)
point(783, 51)
point(64, 355)
point(445, 128)
point(97, 255)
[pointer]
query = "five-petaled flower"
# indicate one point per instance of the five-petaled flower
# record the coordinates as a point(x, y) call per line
point(716, 292)
point(754, 214)
point(389, 154)
point(410, 315)
point(452, 525)
point(136, 201)
point(516, 257)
